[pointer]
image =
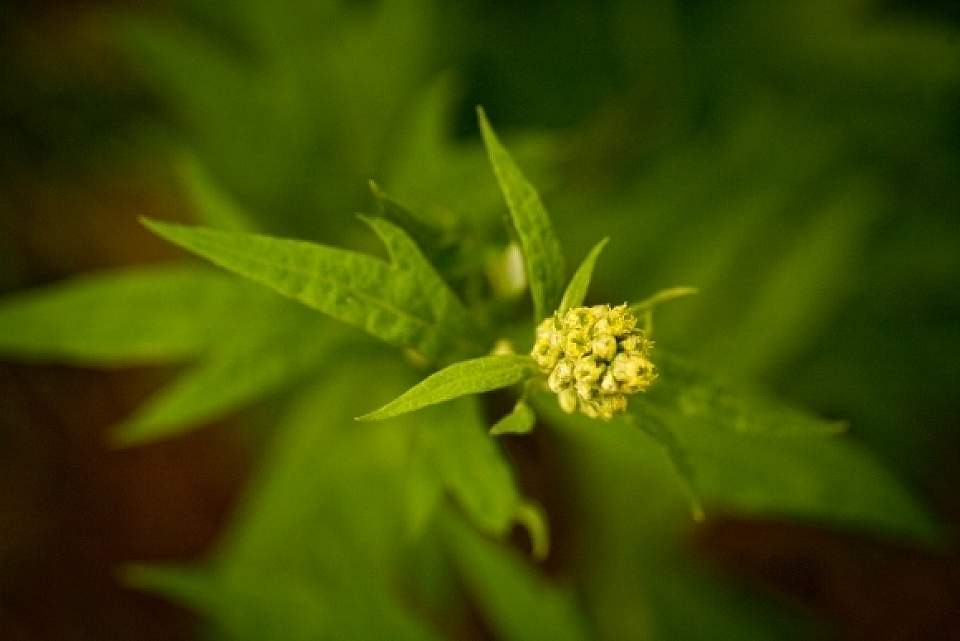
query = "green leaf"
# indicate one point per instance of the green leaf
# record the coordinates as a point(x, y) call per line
point(460, 379)
point(407, 257)
point(249, 605)
point(430, 236)
point(357, 289)
point(210, 204)
point(519, 421)
point(688, 390)
point(533, 518)
point(827, 480)
point(662, 296)
point(470, 465)
point(138, 315)
point(517, 602)
point(542, 253)
point(239, 372)
point(577, 288)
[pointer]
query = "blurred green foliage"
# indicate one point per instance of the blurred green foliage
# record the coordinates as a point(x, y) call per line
point(798, 163)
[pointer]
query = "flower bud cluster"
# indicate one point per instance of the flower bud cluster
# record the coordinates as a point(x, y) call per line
point(593, 358)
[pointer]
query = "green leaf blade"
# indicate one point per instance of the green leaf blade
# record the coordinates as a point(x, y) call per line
point(518, 602)
point(354, 288)
point(460, 379)
point(135, 316)
point(236, 374)
point(576, 290)
point(519, 421)
point(542, 253)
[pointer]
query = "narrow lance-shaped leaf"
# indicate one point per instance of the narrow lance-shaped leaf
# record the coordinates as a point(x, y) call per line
point(407, 257)
point(541, 250)
point(519, 421)
point(577, 288)
point(466, 377)
point(662, 296)
point(242, 370)
point(355, 288)
point(430, 236)
point(137, 315)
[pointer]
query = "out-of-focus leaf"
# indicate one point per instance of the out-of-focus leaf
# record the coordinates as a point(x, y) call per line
point(518, 603)
point(833, 480)
point(625, 490)
point(520, 420)
point(354, 288)
point(577, 288)
point(260, 605)
point(431, 237)
point(465, 377)
point(139, 315)
point(271, 607)
point(282, 345)
point(804, 288)
point(691, 392)
point(534, 519)
point(469, 464)
point(662, 296)
point(213, 207)
point(542, 253)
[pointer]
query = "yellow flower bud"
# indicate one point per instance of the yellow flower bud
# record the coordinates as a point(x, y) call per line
point(568, 400)
point(593, 357)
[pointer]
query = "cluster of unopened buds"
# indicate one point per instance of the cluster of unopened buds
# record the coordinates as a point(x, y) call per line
point(594, 357)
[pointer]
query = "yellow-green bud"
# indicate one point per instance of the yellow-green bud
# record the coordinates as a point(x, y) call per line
point(568, 400)
point(593, 357)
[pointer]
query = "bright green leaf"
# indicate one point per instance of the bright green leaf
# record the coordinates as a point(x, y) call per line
point(519, 421)
point(354, 288)
point(542, 253)
point(138, 315)
point(408, 258)
point(577, 288)
point(460, 379)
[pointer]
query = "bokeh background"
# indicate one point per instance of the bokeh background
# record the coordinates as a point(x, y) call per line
point(799, 162)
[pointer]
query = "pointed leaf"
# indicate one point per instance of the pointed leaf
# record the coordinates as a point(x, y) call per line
point(355, 288)
point(662, 296)
point(460, 379)
point(277, 351)
point(429, 235)
point(541, 249)
point(210, 204)
point(577, 288)
point(137, 315)
point(690, 391)
point(518, 603)
point(470, 465)
point(407, 257)
point(519, 421)
point(832, 480)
